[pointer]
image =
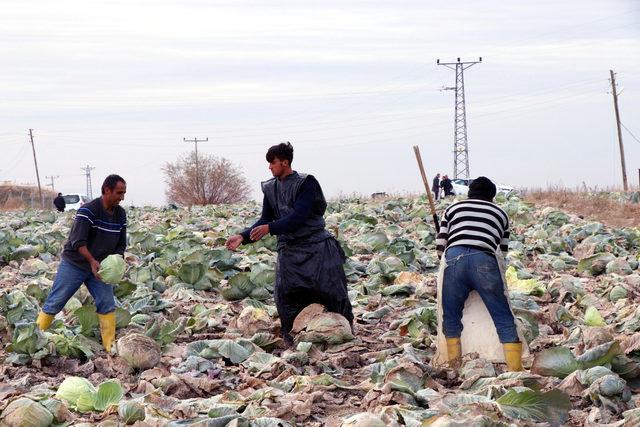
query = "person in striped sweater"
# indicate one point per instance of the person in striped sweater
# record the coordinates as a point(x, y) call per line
point(473, 233)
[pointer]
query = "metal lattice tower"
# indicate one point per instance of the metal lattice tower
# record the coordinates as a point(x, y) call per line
point(460, 142)
point(87, 173)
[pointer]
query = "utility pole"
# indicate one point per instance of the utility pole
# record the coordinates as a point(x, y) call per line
point(35, 161)
point(87, 173)
point(460, 143)
point(52, 178)
point(198, 186)
point(614, 91)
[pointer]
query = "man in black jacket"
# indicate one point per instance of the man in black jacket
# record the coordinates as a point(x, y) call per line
point(309, 267)
point(59, 203)
point(447, 186)
point(435, 187)
point(99, 230)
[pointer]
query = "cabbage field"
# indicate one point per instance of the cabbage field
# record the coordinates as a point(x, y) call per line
point(198, 345)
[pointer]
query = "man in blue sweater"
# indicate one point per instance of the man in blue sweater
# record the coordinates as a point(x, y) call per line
point(309, 267)
point(99, 230)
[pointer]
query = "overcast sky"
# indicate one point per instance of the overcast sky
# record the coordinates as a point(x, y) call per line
point(352, 84)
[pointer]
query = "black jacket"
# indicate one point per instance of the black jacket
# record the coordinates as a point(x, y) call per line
point(447, 186)
point(59, 203)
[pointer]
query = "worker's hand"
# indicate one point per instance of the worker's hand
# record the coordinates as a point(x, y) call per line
point(233, 242)
point(259, 232)
point(95, 267)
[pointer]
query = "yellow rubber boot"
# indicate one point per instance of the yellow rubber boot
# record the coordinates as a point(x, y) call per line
point(107, 329)
point(454, 352)
point(44, 320)
point(513, 356)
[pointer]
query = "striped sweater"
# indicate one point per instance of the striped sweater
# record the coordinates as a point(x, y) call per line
point(476, 223)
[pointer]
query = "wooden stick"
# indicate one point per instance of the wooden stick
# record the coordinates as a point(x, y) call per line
point(416, 150)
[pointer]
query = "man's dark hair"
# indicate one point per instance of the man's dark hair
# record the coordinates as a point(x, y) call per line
point(283, 151)
point(482, 188)
point(111, 181)
point(59, 194)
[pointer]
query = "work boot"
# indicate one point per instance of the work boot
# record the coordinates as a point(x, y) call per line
point(44, 320)
point(513, 355)
point(454, 352)
point(107, 329)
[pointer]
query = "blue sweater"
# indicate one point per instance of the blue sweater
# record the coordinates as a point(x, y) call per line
point(102, 233)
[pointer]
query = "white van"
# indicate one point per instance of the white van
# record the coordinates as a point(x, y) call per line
point(74, 200)
point(461, 187)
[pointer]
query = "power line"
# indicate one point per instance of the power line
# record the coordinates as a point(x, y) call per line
point(380, 137)
point(492, 116)
point(365, 119)
point(568, 29)
point(496, 115)
point(16, 159)
point(630, 133)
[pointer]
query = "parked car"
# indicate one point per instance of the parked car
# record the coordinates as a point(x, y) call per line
point(461, 187)
point(74, 200)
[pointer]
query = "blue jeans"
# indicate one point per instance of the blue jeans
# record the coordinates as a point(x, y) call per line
point(67, 282)
point(470, 269)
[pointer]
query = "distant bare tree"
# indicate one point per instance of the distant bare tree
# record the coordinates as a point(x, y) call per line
point(217, 181)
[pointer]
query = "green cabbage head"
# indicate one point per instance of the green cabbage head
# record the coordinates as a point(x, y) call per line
point(112, 269)
point(72, 388)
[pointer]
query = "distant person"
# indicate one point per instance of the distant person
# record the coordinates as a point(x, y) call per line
point(310, 261)
point(447, 186)
point(99, 230)
point(435, 187)
point(59, 203)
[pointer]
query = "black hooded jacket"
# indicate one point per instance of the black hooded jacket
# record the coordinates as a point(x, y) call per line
point(59, 203)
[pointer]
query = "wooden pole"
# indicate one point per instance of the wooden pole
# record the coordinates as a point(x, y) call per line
point(425, 181)
point(198, 186)
point(614, 90)
point(35, 161)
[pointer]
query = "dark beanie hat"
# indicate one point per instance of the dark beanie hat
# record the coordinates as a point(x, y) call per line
point(482, 188)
